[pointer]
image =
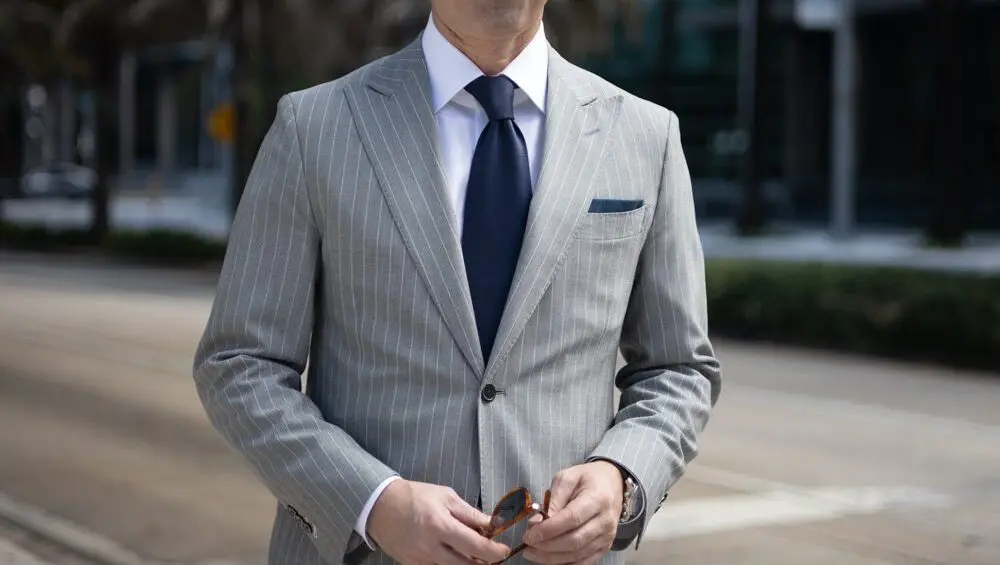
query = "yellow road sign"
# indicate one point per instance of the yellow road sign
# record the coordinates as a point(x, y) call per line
point(222, 123)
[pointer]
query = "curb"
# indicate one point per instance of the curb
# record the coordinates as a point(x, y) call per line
point(65, 534)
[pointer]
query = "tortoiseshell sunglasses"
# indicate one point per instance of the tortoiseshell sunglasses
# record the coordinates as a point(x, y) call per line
point(515, 506)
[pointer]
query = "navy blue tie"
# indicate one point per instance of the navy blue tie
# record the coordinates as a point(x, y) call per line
point(496, 206)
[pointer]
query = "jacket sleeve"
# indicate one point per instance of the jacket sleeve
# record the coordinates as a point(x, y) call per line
point(671, 378)
point(249, 362)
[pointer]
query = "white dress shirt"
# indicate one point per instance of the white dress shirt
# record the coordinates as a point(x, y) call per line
point(460, 121)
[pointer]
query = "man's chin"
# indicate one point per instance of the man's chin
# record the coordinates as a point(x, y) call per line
point(504, 18)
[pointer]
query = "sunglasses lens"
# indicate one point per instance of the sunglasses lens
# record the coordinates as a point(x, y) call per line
point(508, 509)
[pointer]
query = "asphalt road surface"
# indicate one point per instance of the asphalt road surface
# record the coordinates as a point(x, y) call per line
point(810, 457)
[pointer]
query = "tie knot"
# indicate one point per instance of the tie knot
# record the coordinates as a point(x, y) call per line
point(495, 95)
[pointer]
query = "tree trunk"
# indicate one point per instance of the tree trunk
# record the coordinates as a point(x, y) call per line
point(11, 158)
point(245, 34)
point(106, 106)
point(668, 45)
point(237, 89)
point(256, 84)
point(949, 28)
point(756, 18)
point(270, 84)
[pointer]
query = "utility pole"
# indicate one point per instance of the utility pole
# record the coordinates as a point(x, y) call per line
point(754, 18)
point(843, 148)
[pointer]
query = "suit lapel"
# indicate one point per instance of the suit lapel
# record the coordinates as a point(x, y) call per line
point(398, 129)
point(576, 131)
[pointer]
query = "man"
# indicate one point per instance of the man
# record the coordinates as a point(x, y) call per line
point(460, 238)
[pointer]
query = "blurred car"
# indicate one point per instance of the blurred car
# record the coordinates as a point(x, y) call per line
point(58, 179)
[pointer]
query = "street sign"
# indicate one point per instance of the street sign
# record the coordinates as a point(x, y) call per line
point(222, 123)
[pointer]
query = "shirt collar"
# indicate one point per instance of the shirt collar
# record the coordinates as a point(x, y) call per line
point(451, 71)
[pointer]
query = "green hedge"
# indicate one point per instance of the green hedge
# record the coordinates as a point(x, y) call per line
point(950, 318)
point(155, 246)
point(945, 317)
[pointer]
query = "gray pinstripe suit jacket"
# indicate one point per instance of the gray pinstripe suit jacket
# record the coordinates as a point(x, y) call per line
point(344, 251)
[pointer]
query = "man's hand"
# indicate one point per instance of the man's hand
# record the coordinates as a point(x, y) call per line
point(424, 524)
point(584, 510)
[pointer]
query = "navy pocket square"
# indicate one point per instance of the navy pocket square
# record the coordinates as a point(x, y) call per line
point(609, 206)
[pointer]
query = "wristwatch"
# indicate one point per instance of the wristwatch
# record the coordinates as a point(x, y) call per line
point(630, 523)
point(630, 501)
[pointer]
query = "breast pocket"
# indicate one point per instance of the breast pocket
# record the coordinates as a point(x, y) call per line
point(611, 225)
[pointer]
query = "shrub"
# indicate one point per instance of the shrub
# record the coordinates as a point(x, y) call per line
point(944, 317)
point(948, 317)
point(155, 246)
point(164, 246)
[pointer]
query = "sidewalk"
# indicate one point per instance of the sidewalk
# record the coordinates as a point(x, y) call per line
point(32, 536)
point(890, 248)
point(13, 554)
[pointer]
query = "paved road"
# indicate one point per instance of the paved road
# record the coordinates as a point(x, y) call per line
point(810, 458)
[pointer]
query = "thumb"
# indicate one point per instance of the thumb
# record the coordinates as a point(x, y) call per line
point(564, 484)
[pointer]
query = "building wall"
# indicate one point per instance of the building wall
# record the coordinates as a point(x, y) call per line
point(169, 93)
point(695, 73)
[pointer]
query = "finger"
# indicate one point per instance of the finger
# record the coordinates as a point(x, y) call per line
point(589, 534)
point(590, 554)
point(564, 486)
point(578, 512)
point(532, 522)
point(470, 543)
point(468, 515)
point(448, 556)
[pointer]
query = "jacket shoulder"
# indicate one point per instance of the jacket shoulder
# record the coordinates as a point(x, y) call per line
point(637, 112)
point(632, 102)
point(646, 126)
point(330, 89)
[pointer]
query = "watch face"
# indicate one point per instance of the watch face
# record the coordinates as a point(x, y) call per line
point(631, 500)
point(630, 508)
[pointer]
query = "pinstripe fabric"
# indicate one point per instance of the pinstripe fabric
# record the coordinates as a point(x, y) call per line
point(344, 252)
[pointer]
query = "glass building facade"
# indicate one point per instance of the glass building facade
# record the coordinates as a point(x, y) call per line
point(688, 61)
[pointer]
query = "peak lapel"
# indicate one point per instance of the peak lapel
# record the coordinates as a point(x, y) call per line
point(576, 131)
point(398, 129)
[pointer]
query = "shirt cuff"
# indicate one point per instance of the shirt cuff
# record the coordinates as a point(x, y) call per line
point(362, 526)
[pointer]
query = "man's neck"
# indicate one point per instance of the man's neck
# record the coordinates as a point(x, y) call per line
point(493, 54)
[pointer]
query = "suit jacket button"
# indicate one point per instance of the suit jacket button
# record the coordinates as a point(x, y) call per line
point(489, 393)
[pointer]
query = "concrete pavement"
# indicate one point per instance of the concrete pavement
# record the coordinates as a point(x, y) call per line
point(22, 546)
point(12, 554)
point(810, 457)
